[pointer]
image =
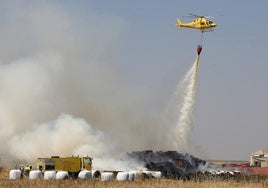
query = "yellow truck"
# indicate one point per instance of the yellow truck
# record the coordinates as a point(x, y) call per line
point(73, 165)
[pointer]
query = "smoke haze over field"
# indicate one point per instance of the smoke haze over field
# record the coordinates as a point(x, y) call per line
point(111, 67)
point(60, 88)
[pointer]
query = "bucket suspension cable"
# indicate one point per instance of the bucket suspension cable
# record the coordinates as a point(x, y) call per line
point(201, 38)
point(199, 46)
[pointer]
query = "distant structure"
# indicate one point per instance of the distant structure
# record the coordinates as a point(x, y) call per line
point(259, 158)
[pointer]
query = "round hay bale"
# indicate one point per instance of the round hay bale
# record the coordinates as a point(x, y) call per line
point(14, 174)
point(139, 175)
point(147, 174)
point(95, 173)
point(35, 174)
point(62, 175)
point(156, 174)
point(50, 175)
point(131, 175)
point(122, 176)
point(107, 176)
point(84, 175)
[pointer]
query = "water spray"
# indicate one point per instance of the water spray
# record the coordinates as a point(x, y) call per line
point(180, 133)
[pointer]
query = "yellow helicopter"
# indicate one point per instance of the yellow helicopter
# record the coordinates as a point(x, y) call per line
point(201, 23)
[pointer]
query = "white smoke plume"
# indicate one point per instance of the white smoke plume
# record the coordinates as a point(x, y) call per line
point(60, 86)
point(69, 134)
point(180, 132)
point(62, 92)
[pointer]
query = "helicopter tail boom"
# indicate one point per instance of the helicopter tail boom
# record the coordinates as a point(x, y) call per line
point(179, 23)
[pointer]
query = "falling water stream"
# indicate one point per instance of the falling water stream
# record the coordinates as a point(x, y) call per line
point(180, 132)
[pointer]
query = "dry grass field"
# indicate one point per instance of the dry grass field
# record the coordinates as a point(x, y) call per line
point(161, 183)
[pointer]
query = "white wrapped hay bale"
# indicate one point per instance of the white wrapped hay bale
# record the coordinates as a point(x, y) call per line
point(50, 175)
point(62, 175)
point(84, 175)
point(140, 175)
point(107, 176)
point(147, 174)
point(152, 174)
point(156, 174)
point(14, 174)
point(131, 175)
point(122, 176)
point(95, 174)
point(35, 174)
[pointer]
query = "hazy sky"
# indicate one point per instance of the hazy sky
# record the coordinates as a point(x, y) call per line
point(146, 52)
point(231, 108)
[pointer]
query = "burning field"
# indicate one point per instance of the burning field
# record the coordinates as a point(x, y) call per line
point(63, 93)
point(171, 163)
point(175, 165)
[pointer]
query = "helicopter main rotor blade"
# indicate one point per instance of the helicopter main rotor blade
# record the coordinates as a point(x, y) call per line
point(190, 16)
point(195, 15)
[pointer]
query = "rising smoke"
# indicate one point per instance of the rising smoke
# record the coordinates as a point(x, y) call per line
point(61, 91)
point(60, 88)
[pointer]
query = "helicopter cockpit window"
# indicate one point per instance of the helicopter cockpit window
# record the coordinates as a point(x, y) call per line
point(210, 22)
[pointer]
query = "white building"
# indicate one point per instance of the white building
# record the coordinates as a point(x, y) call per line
point(259, 158)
